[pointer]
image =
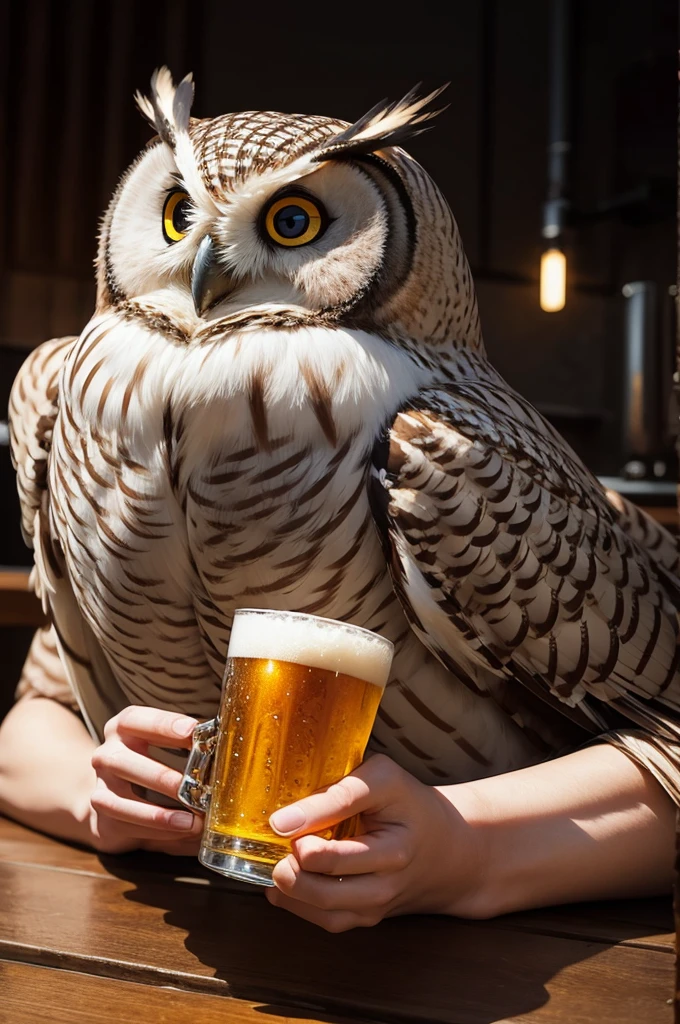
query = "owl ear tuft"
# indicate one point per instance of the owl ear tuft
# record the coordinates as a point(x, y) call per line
point(386, 124)
point(168, 107)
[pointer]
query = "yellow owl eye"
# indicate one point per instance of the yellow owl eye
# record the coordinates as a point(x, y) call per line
point(294, 220)
point(176, 215)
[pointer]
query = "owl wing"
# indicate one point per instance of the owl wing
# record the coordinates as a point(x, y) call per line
point(33, 411)
point(650, 535)
point(509, 558)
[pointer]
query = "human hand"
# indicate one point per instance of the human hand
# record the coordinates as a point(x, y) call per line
point(417, 853)
point(120, 821)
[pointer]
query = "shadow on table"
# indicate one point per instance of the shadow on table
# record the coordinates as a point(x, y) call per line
point(422, 967)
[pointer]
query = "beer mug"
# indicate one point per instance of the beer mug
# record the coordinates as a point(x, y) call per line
point(298, 704)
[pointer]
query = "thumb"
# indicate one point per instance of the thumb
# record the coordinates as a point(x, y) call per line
point(368, 788)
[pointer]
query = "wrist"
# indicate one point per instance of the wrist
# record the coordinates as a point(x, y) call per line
point(508, 847)
point(471, 889)
point(511, 850)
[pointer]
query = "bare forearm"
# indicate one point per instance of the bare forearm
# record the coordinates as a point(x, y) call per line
point(590, 825)
point(46, 775)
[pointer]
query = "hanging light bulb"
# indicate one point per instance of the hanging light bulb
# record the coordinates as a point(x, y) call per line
point(553, 280)
point(557, 211)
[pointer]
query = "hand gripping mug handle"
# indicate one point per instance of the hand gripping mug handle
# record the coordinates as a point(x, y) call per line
point(194, 790)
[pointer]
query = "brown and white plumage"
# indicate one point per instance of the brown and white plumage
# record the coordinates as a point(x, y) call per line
point(240, 414)
point(511, 558)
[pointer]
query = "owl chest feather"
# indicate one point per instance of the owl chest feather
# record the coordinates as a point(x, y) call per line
point(186, 484)
point(292, 530)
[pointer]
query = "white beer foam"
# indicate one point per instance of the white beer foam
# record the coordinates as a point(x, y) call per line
point(310, 640)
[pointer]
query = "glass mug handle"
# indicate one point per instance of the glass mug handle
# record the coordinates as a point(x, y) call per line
point(194, 790)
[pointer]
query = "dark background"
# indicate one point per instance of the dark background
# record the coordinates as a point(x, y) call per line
point(68, 128)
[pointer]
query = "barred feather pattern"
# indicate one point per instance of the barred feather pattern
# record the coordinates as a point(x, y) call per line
point(231, 148)
point(512, 557)
point(43, 672)
point(32, 412)
point(647, 533)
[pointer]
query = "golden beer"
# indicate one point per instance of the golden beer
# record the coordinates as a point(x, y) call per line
point(298, 704)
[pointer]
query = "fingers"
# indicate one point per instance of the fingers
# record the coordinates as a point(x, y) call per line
point(110, 836)
point(381, 851)
point(152, 725)
point(107, 838)
point(370, 787)
point(342, 884)
point(356, 882)
point(112, 798)
point(115, 759)
point(331, 920)
point(336, 903)
point(119, 820)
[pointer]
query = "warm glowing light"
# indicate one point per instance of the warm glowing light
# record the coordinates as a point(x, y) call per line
point(553, 280)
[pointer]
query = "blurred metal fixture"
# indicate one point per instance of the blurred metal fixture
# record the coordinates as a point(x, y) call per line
point(643, 384)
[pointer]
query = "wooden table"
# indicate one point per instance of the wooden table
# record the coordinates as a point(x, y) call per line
point(147, 939)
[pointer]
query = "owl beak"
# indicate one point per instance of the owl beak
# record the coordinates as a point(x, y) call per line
point(209, 281)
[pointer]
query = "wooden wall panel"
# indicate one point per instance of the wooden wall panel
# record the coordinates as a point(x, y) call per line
point(69, 128)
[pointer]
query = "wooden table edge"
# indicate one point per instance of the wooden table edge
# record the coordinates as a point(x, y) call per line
point(159, 977)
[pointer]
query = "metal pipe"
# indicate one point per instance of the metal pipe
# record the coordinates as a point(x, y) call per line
point(559, 119)
point(642, 419)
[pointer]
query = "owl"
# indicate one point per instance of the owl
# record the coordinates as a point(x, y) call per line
point(283, 401)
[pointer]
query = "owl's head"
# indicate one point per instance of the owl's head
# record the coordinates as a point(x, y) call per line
point(285, 219)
